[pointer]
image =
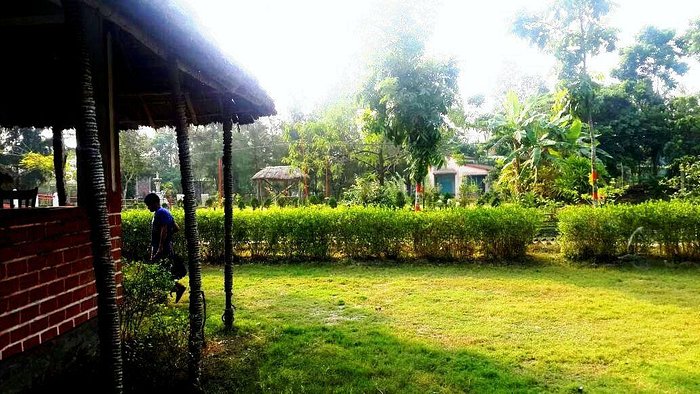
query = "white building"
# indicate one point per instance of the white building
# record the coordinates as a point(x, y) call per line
point(451, 175)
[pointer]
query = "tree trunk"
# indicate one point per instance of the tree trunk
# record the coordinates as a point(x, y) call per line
point(380, 164)
point(94, 200)
point(228, 222)
point(59, 163)
point(196, 338)
point(328, 181)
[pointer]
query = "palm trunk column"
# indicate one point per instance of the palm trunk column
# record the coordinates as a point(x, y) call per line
point(59, 163)
point(228, 219)
point(196, 339)
point(93, 194)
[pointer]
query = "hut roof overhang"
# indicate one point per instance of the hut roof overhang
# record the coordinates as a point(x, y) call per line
point(143, 38)
point(278, 173)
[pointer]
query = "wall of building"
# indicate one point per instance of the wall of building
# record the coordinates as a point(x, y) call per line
point(47, 282)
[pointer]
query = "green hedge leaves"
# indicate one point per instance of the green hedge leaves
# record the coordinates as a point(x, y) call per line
point(317, 233)
point(664, 229)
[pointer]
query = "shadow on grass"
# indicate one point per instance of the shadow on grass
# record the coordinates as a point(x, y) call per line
point(349, 350)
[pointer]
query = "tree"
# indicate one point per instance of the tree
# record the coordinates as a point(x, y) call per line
point(408, 96)
point(572, 31)
point(41, 164)
point(691, 39)
point(655, 57)
point(15, 144)
point(136, 160)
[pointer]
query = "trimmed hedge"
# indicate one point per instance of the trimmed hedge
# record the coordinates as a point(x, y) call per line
point(318, 233)
point(668, 229)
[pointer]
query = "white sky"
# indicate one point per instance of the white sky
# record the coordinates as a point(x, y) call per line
point(302, 51)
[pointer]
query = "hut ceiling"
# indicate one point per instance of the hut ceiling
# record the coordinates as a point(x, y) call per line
point(278, 173)
point(140, 37)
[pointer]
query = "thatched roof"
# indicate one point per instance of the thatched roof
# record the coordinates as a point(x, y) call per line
point(145, 35)
point(278, 173)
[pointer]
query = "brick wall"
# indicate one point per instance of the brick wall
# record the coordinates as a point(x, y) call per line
point(47, 283)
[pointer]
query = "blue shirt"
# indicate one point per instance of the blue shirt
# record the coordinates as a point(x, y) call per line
point(162, 217)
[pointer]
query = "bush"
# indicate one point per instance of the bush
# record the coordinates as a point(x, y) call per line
point(332, 202)
point(320, 232)
point(668, 229)
point(154, 337)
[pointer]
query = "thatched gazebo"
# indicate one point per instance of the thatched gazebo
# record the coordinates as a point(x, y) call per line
point(101, 66)
point(276, 180)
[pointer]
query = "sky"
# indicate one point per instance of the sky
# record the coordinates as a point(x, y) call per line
point(303, 52)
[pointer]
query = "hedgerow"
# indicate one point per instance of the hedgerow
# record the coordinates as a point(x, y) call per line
point(664, 229)
point(317, 233)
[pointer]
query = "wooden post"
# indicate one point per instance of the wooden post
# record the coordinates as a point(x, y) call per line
point(229, 309)
point(85, 28)
point(59, 163)
point(196, 338)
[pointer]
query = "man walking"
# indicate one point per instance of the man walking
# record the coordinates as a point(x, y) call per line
point(162, 229)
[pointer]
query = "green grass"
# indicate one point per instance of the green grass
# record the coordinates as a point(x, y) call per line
point(453, 328)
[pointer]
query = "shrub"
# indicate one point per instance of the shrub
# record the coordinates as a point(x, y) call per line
point(668, 229)
point(254, 203)
point(332, 202)
point(321, 232)
point(154, 337)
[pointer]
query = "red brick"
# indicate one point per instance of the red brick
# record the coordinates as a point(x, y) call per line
point(29, 313)
point(88, 304)
point(57, 317)
point(9, 286)
point(18, 300)
point(37, 232)
point(91, 289)
point(92, 314)
point(37, 263)
point(18, 235)
point(80, 319)
point(63, 270)
point(20, 333)
point(8, 321)
point(3, 271)
point(65, 327)
point(87, 277)
point(72, 282)
point(38, 293)
point(73, 311)
point(47, 275)
point(79, 294)
point(39, 325)
point(4, 339)
point(65, 298)
point(12, 350)
point(31, 342)
point(17, 268)
point(48, 334)
point(48, 306)
point(56, 287)
point(81, 266)
point(70, 255)
point(28, 281)
point(8, 253)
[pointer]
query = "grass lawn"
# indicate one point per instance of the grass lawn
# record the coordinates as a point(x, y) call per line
point(402, 328)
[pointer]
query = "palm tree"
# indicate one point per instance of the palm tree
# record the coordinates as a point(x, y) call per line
point(228, 222)
point(196, 338)
point(94, 199)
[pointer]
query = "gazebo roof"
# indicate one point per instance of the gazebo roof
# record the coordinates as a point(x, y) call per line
point(278, 173)
point(145, 36)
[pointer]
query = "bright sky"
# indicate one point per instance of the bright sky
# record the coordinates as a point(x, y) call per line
point(303, 51)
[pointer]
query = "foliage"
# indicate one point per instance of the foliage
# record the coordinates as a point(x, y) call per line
point(41, 164)
point(368, 190)
point(154, 337)
point(686, 177)
point(356, 232)
point(668, 229)
point(655, 56)
point(17, 144)
point(136, 157)
point(407, 97)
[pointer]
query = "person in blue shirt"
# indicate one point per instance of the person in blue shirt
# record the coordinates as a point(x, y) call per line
point(163, 227)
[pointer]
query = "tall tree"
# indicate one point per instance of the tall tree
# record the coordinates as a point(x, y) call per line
point(655, 57)
point(135, 150)
point(409, 95)
point(573, 31)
